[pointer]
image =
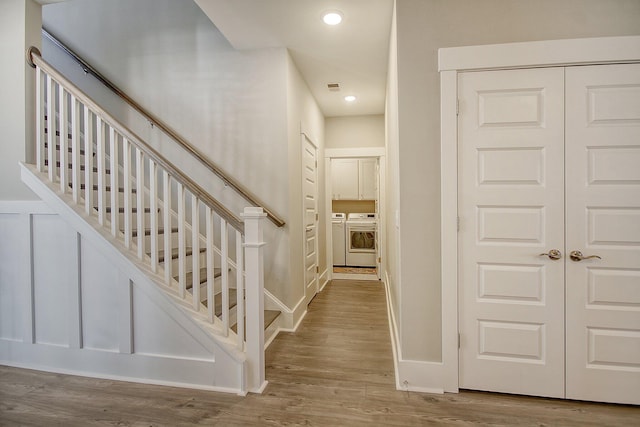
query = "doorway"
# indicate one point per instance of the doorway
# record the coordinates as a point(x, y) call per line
point(549, 237)
point(354, 199)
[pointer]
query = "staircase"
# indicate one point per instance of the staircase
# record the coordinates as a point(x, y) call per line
point(202, 256)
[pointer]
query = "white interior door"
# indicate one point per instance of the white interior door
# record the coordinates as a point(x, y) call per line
point(568, 327)
point(310, 216)
point(511, 210)
point(603, 219)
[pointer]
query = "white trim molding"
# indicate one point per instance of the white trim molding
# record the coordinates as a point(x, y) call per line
point(354, 152)
point(411, 375)
point(452, 61)
point(550, 53)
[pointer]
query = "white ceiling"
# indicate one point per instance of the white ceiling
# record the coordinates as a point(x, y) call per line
point(353, 53)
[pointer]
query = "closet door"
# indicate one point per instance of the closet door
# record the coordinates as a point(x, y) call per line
point(511, 209)
point(603, 219)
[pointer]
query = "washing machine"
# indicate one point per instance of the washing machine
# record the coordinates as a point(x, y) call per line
point(338, 236)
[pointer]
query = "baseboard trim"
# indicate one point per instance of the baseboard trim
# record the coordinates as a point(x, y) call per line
point(291, 318)
point(411, 375)
point(78, 357)
point(324, 276)
point(393, 330)
point(355, 276)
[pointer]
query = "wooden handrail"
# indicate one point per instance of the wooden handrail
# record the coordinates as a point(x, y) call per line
point(36, 59)
point(239, 188)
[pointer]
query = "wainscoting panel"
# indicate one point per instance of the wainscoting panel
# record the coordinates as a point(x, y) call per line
point(100, 307)
point(55, 256)
point(156, 333)
point(11, 278)
point(72, 303)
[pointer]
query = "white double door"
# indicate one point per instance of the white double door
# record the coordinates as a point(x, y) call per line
point(549, 163)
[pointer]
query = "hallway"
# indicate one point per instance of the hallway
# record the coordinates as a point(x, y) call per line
point(337, 369)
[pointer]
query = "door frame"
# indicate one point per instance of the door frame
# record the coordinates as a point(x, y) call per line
point(553, 53)
point(338, 153)
point(304, 137)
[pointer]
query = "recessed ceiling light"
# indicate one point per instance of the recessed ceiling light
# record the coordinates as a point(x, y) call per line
point(332, 18)
point(349, 98)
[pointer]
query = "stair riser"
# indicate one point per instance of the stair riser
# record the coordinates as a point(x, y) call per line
point(134, 224)
point(217, 288)
point(147, 239)
point(188, 264)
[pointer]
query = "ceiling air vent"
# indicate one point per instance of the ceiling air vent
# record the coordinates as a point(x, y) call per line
point(333, 87)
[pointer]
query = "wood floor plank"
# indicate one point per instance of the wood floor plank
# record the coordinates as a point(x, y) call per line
point(337, 369)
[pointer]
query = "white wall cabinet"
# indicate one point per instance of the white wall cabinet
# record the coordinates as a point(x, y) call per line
point(367, 179)
point(354, 179)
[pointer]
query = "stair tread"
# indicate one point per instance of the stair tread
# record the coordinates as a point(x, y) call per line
point(69, 149)
point(46, 132)
point(95, 169)
point(147, 231)
point(175, 254)
point(121, 210)
point(233, 301)
point(269, 317)
point(107, 188)
point(217, 272)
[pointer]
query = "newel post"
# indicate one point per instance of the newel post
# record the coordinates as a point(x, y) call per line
point(254, 296)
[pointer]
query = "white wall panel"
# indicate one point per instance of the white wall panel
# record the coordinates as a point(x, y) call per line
point(156, 333)
point(11, 278)
point(100, 312)
point(55, 256)
point(83, 311)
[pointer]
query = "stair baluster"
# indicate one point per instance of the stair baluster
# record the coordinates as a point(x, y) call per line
point(113, 165)
point(195, 258)
point(74, 135)
point(75, 149)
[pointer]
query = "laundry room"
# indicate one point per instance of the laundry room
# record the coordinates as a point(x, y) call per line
point(354, 161)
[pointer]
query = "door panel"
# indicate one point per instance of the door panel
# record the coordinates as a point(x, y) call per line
point(310, 210)
point(603, 218)
point(511, 193)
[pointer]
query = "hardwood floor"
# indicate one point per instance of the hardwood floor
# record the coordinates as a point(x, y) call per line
point(336, 370)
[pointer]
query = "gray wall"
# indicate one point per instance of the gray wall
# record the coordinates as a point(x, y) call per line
point(232, 105)
point(355, 131)
point(424, 26)
point(19, 29)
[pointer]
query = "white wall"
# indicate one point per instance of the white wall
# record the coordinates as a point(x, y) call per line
point(423, 26)
point(392, 208)
point(19, 29)
point(303, 115)
point(232, 105)
point(355, 131)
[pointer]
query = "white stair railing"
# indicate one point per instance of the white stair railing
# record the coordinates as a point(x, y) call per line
point(154, 211)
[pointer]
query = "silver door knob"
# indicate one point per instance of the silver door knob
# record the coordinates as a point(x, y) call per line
point(577, 256)
point(553, 254)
